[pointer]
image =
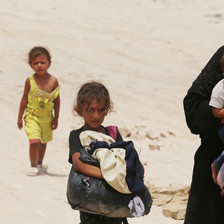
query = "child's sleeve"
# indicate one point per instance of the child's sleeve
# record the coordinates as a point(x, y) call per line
point(56, 92)
point(217, 96)
point(119, 137)
point(74, 144)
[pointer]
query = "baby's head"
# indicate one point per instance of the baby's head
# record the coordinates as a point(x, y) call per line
point(37, 51)
point(93, 91)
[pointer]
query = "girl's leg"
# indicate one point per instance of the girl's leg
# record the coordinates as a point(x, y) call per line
point(88, 218)
point(41, 153)
point(34, 154)
point(115, 220)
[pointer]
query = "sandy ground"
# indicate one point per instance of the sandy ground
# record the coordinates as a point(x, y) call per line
point(146, 52)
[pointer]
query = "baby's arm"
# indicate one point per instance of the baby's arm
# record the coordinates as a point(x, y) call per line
point(23, 104)
point(218, 113)
point(86, 168)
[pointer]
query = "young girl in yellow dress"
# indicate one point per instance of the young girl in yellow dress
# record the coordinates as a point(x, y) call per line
point(41, 103)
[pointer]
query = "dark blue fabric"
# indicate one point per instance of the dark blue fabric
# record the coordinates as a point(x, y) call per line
point(95, 144)
point(221, 131)
point(219, 161)
point(134, 171)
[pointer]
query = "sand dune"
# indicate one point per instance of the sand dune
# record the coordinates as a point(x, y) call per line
point(146, 52)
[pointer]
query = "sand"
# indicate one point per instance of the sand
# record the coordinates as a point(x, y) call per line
point(146, 52)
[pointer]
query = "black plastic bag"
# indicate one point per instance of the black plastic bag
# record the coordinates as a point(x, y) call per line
point(92, 195)
point(86, 157)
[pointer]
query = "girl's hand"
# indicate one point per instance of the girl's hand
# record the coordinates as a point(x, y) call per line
point(20, 123)
point(54, 124)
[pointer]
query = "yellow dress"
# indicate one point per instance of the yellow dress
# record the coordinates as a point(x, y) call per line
point(39, 112)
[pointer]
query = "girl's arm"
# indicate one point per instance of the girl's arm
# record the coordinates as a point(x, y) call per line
point(23, 103)
point(54, 124)
point(86, 168)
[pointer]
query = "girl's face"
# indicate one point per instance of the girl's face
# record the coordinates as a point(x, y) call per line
point(93, 114)
point(40, 64)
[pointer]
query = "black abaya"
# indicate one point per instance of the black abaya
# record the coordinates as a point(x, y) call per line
point(205, 205)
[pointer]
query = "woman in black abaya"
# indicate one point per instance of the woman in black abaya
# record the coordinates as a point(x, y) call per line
point(205, 205)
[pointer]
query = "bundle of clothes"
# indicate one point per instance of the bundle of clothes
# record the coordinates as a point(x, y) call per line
point(122, 192)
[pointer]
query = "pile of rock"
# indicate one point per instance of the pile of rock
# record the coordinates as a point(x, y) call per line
point(173, 199)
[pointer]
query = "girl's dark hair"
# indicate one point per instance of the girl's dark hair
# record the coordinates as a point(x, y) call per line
point(37, 51)
point(90, 91)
